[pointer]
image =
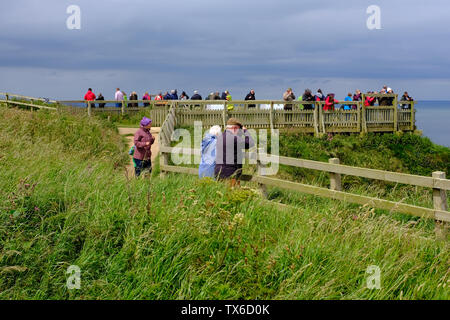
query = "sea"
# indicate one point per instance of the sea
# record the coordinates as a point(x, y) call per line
point(433, 118)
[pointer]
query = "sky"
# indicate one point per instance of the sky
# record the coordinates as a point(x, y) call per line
point(207, 45)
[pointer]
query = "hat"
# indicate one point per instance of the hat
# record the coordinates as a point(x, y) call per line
point(234, 122)
point(145, 121)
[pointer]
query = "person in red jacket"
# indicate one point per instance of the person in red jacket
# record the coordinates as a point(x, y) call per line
point(329, 102)
point(370, 101)
point(89, 96)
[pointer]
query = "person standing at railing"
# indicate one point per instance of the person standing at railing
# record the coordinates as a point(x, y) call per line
point(224, 94)
point(319, 95)
point(307, 96)
point(390, 100)
point(406, 97)
point(230, 150)
point(230, 107)
point(125, 99)
point(356, 97)
point(100, 98)
point(159, 97)
point(90, 96)
point(329, 102)
point(369, 101)
point(347, 107)
point(184, 96)
point(143, 141)
point(251, 96)
point(146, 97)
point(196, 96)
point(118, 97)
point(173, 95)
point(383, 101)
point(288, 96)
point(133, 96)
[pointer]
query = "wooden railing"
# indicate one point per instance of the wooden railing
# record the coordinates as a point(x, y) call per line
point(437, 182)
point(12, 100)
point(308, 117)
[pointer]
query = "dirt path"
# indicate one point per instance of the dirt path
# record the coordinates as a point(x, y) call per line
point(129, 135)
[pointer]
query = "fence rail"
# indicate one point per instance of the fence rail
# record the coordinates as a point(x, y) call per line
point(305, 116)
point(437, 181)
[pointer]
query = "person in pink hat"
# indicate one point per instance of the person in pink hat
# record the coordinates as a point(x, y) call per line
point(143, 141)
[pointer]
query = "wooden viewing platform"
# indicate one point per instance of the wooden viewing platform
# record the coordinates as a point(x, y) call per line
point(264, 114)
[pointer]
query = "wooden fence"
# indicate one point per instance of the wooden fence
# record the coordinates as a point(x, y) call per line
point(12, 100)
point(308, 117)
point(437, 182)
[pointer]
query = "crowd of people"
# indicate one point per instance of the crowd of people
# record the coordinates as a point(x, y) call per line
point(308, 97)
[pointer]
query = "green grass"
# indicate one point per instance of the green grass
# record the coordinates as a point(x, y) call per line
point(65, 199)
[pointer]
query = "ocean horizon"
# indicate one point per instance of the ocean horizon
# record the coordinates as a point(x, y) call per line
point(433, 117)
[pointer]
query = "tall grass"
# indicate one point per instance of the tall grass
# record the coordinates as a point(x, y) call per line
point(65, 199)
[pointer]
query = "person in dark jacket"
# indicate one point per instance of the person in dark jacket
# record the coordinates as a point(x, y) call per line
point(319, 95)
point(143, 141)
point(216, 96)
point(100, 97)
point(251, 96)
point(223, 96)
point(383, 101)
point(184, 96)
point(390, 100)
point(307, 96)
point(406, 97)
point(230, 150)
point(173, 95)
point(133, 96)
point(167, 96)
point(196, 96)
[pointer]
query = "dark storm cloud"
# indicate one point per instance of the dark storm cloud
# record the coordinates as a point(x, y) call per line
point(212, 45)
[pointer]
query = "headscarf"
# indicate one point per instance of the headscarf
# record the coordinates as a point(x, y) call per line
point(145, 122)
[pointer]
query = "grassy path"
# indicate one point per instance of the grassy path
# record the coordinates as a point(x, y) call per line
point(128, 133)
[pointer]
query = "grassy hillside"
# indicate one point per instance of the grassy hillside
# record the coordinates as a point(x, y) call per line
point(65, 199)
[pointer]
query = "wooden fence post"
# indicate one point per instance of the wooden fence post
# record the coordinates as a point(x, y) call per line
point(7, 99)
point(271, 116)
point(335, 178)
point(321, 121)
point(259, 168)
point(316, 119)
point(122, 109)
point(413, 114)
point(89, 108)
point(225, 115)
point(395, 114)
point(164, 157)
point(358, 115)
point(363, 118)
point(440, 203)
